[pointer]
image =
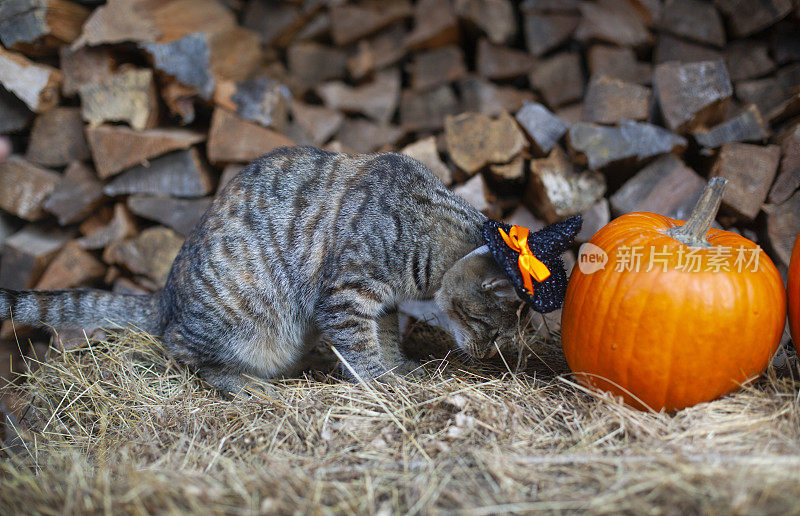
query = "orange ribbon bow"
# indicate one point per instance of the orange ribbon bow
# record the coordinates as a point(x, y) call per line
point(529, 265)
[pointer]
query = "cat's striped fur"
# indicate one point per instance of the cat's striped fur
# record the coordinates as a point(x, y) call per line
point(305, 243)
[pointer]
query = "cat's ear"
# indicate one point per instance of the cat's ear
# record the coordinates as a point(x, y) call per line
point(499, 286)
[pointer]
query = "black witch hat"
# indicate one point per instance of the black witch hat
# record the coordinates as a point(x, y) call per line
point(546, 245)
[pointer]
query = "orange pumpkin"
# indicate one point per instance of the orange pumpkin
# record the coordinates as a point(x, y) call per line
point(669, 335)
point(794, 294)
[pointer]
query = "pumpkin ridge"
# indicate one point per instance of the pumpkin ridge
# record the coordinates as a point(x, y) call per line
point(601, 328)
point(635, 335)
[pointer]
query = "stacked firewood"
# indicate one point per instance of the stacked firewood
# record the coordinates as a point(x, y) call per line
point(127, 116)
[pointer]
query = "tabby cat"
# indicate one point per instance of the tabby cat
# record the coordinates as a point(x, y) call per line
point(304, 244)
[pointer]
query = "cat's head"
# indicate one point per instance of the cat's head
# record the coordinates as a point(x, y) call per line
point(481, 304)
point(483, 292)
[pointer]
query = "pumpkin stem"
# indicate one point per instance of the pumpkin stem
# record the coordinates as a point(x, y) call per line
point(693, 233)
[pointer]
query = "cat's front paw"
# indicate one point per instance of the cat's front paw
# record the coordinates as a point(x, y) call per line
point(409, 369)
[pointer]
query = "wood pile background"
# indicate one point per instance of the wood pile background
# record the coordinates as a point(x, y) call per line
point(127, 116)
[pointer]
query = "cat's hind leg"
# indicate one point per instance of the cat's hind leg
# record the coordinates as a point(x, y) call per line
point(235, 385)
point(222, 371)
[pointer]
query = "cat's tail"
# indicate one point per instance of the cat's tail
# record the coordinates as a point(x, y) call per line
point(81, 308)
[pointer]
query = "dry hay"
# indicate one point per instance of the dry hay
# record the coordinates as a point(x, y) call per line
point(116, 427)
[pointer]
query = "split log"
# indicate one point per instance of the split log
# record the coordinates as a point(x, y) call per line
point(228, 173)
point(694, 20)
point(187, 59)
point(549, 6)
point(27, 253)
point(500, 63)
point(669, 48)
point(24, 187)
point(650, 11)
point(785, 110)
point(425, 152)
point(789, 78)
point(618, 63)
point(435, 25)
point(14, 114)
point(179, 99)
point(789, 178)
point(312, 63)
point(594, 218)
point(747, 17)
point(543, 127)
point(666, 186)
point(612, 21)
point(475, 192)
point(126, 286)
point(545, 32)
point(76, 195)
point(785, 43)
point(385, 49)
point(496, 18)
point(474, 140)
point(8, 227)
point(235, 54)
point(609, 101)
point(277, 23)
point(98, 235)
point(36, 85)
point(337, 147)
point(232, 139)
point(514, 170)
point(317, 28)
point(118, 21)
point(84, 65)
point(350, 23)
point(115, 22)
point(182, 215)
point(180, 173)
point(783, 226)
point(630, 144)
point(571, 114)
point(39, 27)
point(365, 136)
point(559, 79)
point(694, 94)
point(747, 59)
point(482, 96)
point(143, 21)
point(556, 190)
point(749, 170)
point(427, 110)
point(129, 95)
point(116, 148)
point(377, 99)
point(58, 138)
point(319, 122)
point(150, 254)
point(747, 126)
point(262, 100)
point(71, 267)
point(436, 67)
point(766, 93)
point(521, 216)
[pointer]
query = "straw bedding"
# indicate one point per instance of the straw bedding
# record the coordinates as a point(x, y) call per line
point(116, 427)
